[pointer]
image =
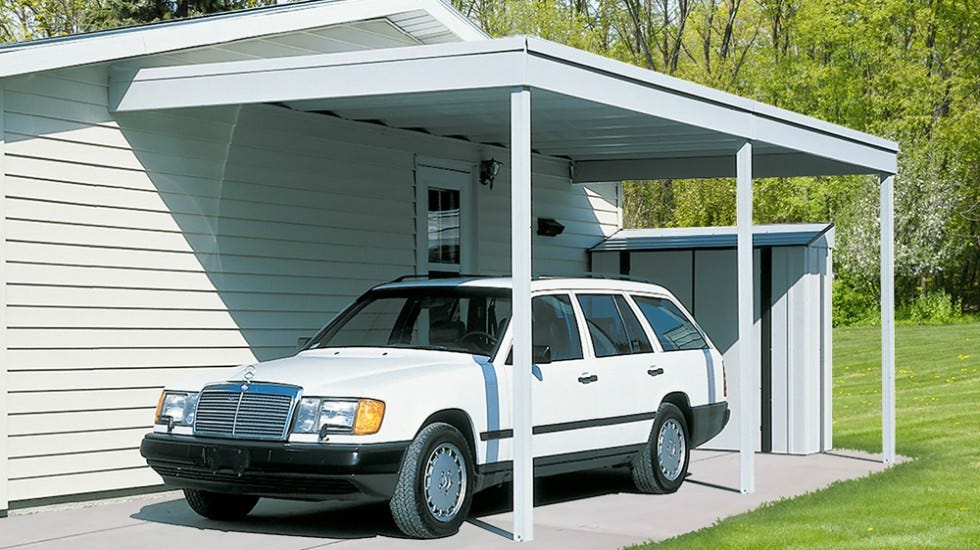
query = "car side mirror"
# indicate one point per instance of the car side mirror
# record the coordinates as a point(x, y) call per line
point(301, 343)
point(541, 355)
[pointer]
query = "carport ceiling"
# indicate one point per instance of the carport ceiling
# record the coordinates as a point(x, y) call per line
point(615, 121)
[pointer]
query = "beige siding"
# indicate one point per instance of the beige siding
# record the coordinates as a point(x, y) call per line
point(145, 247)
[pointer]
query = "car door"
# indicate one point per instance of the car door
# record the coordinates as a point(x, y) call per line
point(562, 400)
point(621, 353)
point(686, 363)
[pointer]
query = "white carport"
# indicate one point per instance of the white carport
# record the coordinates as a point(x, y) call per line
point(611, 120)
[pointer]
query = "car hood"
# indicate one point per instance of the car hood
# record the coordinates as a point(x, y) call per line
point(339, 368)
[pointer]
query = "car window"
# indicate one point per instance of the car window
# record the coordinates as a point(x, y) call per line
point(639, 342)
point(609, 332)
point(673, 329)
point(553, 324)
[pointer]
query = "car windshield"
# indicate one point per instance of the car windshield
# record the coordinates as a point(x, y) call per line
point(469, 320)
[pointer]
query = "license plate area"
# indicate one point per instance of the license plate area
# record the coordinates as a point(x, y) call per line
point(225, 459)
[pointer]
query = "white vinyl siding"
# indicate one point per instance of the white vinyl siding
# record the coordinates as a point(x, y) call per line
point(143, 248)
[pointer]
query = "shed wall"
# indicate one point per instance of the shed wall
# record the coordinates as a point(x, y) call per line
point(142, 248)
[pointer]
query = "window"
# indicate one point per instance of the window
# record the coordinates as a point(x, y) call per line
point(674, 330)
point(613, 328)
point(553, 324)
point(444, 226)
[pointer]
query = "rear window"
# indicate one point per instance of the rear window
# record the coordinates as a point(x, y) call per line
point(673, 329)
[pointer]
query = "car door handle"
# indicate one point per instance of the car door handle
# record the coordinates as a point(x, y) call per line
point(655, 372)
point(588, 379)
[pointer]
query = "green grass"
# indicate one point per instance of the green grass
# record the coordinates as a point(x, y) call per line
point(930, 502)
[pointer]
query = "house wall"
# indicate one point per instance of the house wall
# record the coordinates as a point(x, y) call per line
point(145, 247)
point(705, 282)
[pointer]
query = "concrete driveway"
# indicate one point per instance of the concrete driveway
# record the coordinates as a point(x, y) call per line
point(597, 509)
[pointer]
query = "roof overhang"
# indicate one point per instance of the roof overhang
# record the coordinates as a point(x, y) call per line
point(613, 120)
point(697, 238)
point(427, 21)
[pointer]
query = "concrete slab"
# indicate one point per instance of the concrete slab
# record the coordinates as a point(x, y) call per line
point(597, 509)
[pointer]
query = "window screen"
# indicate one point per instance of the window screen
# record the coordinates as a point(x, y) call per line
point(610, 334)
point(673, 329)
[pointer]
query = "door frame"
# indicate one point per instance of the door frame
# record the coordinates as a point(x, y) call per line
point(456, 176)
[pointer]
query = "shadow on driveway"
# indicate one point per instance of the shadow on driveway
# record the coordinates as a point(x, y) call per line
point(338, 520)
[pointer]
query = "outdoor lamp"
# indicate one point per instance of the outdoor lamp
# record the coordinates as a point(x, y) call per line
point(489, 170)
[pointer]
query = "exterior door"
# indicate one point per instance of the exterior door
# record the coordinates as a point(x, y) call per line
point(444, 221)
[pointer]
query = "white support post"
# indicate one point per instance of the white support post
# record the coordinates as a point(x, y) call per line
point(4, 362)
point(520, 234)
point(887, 216)
point(748, 391)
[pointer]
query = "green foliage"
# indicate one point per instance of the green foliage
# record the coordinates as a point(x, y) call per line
point(853, 306)
point(934, 308)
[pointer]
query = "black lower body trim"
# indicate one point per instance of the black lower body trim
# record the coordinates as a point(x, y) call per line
point(707, 421)
point(499, 472)
point(576, 425)
point(309, 471)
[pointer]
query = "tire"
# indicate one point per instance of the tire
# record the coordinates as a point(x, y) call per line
point(219, 506)
point(661, 466)
point(435, 484)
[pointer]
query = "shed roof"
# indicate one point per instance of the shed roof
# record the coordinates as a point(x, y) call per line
point(685, 238)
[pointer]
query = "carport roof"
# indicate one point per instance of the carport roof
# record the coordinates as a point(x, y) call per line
point(613, 120)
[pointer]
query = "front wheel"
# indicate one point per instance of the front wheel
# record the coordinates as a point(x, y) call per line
point(435, 484)
point(662, 464)
point(219, 506)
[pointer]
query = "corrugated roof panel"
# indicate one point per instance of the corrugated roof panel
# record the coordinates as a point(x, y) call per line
point(714, 237)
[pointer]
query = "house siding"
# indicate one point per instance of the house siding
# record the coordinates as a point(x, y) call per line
point(141, 248)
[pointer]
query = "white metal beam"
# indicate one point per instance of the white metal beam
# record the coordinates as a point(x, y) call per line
point(771, 165)
point(748, 391)
point(887, 216)
point(520, 233)
point(4, 359)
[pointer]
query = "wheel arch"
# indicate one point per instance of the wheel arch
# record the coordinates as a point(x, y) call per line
point(682, 402)
point(458, 419)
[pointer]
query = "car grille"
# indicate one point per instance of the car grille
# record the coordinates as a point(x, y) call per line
point(262, 411)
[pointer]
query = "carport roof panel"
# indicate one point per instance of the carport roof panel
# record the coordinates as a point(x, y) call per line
point(585, 107)
point(686, 238)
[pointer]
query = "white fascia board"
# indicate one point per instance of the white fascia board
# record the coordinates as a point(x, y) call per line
point(210, 30)
point(442, 67)
point(595, 62)
point(774, 165)
point(736, 117)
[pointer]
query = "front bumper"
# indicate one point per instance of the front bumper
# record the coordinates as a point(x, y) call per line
point(300, 471)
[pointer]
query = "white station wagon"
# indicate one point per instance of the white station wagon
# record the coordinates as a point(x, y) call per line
point(406, 397)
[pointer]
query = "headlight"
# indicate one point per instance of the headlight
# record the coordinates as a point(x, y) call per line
point(176, 408)
point(323, 416)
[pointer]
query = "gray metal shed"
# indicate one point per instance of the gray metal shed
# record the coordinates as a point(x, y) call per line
point(791, 316)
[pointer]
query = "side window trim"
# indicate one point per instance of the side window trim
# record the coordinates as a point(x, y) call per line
point(638, 313)
point(507, 340)
point(583, 328)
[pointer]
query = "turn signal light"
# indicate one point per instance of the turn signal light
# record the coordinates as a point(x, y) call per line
point(370, 413)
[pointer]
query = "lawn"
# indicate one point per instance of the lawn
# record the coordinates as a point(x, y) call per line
point(932, 501)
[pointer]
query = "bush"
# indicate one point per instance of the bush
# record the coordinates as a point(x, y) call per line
point(852, 307)
point(933, 308)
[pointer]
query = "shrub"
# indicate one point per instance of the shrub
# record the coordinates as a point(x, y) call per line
point(936, 307)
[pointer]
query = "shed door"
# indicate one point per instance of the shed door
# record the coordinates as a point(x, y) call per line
point(444, 217)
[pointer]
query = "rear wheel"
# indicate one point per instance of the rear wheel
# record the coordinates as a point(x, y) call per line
point(662, 464)
point(435, 484)
point(220, 506)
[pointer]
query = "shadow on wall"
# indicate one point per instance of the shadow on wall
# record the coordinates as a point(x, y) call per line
point(287, 225)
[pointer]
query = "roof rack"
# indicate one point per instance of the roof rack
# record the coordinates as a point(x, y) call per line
point(596, 275)
point(426, 276)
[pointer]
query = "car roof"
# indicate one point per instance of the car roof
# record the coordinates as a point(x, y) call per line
point(537, 285)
